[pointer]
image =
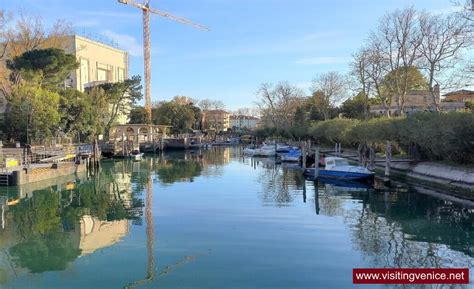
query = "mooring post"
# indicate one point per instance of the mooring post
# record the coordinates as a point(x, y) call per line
point(388, 157)
point(303, 150)
point(304, 191)
point(372, 157)
point(316, 197)
point(316, 164)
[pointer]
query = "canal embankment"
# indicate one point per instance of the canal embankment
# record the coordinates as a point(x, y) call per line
point(41, 173)
point(452, 179)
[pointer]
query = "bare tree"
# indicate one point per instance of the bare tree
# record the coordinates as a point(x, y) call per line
point(209, 104)
point(359, 71)
point(330, 89)
point(398, 39)
point(278, 103)
point(443, 37)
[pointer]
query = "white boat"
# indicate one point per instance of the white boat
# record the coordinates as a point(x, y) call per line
point(265, 151)
point(249, 151)
point(136, 155)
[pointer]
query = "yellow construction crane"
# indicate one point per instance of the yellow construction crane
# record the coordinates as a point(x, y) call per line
point(146, 9)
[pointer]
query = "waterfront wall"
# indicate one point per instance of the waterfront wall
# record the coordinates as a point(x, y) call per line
point(460, 179)
point(22, 177)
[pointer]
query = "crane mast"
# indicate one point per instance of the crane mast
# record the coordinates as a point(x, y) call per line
point(147, 60)
point(146, 9)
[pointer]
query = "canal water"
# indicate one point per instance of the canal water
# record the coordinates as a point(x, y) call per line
point(217, 220)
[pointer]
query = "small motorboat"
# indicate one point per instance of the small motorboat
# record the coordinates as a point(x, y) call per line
point(265, 151)
point(283, 148)
point(339, 168)
point(293, 155)
point(136, 155)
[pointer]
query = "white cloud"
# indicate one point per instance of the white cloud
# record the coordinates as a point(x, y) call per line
point(125, 42)
point(323, 60)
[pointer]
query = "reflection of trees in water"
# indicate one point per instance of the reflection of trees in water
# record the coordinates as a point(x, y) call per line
point(330, 205)
point(412, 230)
point(279, 185)
point(45, 222)
point(171, 171)
point(49, 252)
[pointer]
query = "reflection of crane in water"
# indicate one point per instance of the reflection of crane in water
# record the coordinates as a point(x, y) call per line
point(150, 237)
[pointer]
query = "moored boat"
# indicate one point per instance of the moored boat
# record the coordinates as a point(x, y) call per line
point(339, 168)
point(136, 155)
point(293, 155)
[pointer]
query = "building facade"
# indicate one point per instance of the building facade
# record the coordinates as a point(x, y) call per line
point(99, 63)
point(415, 100)
point(463, 95)
point(217, 119)
point(240, 122)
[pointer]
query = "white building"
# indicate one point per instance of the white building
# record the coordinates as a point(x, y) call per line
point(239, 122)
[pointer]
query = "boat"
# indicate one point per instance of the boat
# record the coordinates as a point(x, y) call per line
point(136, 155)
point(265, 151)
point(293, 155)
point(228, 142)
point(283, 148)
point(250, 150)
point(339, 168)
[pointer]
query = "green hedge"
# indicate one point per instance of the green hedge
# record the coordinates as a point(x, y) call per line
point(446, 136)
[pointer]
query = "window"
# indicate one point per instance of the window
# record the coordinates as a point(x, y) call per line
point(120, 74)
point(101, 74)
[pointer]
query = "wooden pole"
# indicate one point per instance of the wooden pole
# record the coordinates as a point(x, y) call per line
point(372, 157)
point(335, 149)
point(303, 150)
point(388, 158)
point(123, 144)
point(316, 164)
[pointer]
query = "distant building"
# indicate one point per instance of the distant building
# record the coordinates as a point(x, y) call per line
point(217, 119)
point(463, 95)
point(240, 122)
point(99, 63)
point(415, 100)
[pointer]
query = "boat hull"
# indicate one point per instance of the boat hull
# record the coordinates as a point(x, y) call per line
point(333, 174)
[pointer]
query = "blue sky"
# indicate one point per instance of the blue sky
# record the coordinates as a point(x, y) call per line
point(251, 42)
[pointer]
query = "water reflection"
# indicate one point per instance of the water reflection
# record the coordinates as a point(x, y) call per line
point(391, 228)
point(47, 229)
point(51, 227)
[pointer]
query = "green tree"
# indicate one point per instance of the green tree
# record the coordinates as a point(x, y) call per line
point(355, 107)
point(138, 115)
point(32, 114)
point(181, 117)
point(47, 68)
point(408, 76)
point(115, 99)
point(78, 116)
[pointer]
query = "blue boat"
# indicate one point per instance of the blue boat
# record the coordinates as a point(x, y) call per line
point(339, 168)
point(293, 155)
